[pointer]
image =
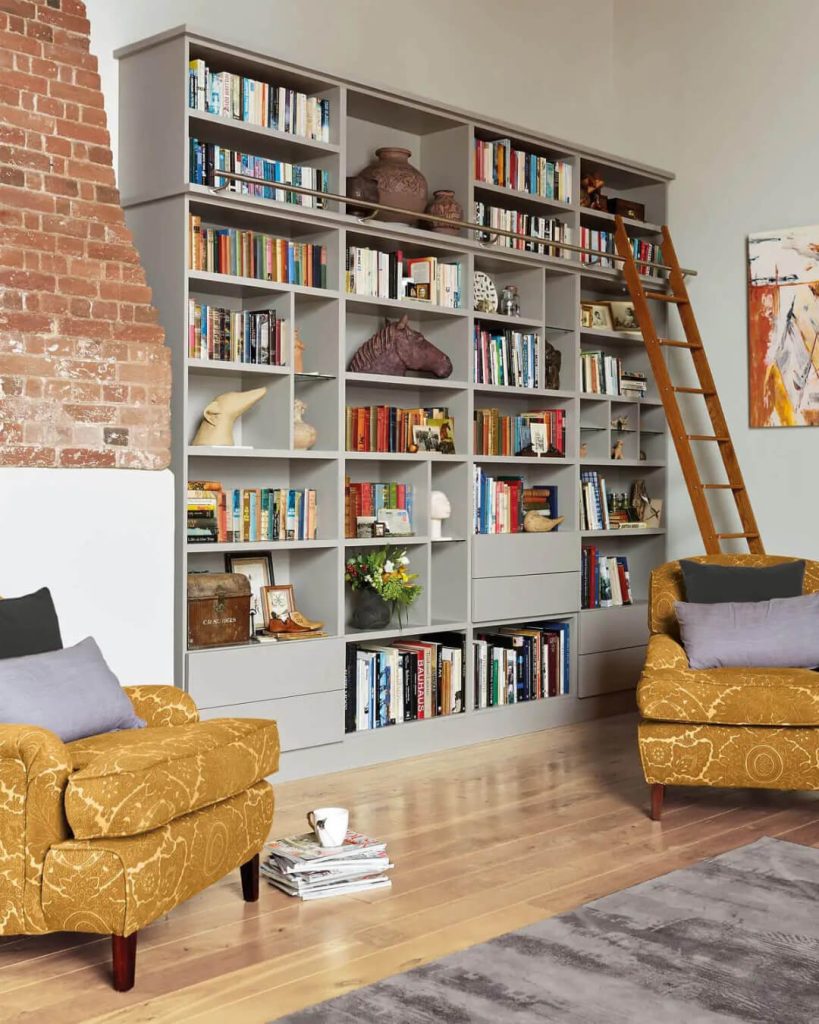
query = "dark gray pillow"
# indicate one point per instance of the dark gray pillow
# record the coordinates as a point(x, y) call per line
point(28, 625)
point(716, 584)
point(72, 692)
point(783, 633)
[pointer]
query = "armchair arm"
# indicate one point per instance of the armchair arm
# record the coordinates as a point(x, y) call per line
point(664, 652)
point(163, 705)
point(34, 768)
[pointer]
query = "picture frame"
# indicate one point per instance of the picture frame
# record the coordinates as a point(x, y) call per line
point(601, 318)
point(278, 600)
point(396, 521)
point(446, 434)
point(623, 317)
point(258, 567)
point(586, 315)
point(427, 437)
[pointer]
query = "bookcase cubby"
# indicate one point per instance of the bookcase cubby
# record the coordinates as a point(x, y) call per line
point(473, 583)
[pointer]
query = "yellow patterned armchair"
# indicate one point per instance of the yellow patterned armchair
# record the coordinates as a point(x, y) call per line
point(732, 727)
point(108, 833)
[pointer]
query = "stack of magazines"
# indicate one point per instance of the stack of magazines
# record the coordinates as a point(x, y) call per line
point(301, 867)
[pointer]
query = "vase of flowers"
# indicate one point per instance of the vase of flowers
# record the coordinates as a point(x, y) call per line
point(382, 586)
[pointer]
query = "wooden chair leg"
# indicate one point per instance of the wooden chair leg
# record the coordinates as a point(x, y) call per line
point(124, 949)
point(250, 879)
point(657, 794)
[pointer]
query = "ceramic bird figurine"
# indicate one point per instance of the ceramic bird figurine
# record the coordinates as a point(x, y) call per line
point(221, 413)
point(535, 522)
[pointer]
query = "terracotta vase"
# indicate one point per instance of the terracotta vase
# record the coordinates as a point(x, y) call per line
point(444, 204)
point(399, 183)
point(304, 435)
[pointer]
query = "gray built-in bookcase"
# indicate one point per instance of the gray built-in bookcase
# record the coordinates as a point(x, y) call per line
point(470, 582)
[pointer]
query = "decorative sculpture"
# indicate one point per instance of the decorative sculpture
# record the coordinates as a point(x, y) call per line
point(591, 192)
point(439, 510)
point(304, 434)
point(617, 451)
point(221, 413)
point(397, 348)
point(399, 184)
point(536, 522)
point(444, 204)
point(552, 359)
point(298, 352)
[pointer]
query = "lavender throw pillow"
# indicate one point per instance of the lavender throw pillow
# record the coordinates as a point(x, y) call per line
point(72, 692)
point(781, 633)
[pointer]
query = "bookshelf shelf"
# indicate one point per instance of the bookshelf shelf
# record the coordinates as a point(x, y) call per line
point(472, 584)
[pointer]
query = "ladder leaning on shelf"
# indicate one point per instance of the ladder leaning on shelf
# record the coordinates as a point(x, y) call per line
point(678, 296)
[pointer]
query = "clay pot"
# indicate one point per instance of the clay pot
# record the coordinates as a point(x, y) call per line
point(304, 435)
point(370, 611)
point(361, 187)
point(399, 183)
point(444, 204)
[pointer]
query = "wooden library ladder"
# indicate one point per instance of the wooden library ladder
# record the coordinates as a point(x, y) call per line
point(678, 295)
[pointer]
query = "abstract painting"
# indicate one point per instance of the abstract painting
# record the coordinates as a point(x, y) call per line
point(783, 327)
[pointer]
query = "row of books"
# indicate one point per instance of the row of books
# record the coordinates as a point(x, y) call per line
point(207, 159)
point(402, 682)
point(386, 428)
point(540, 432)
point(604, 579)
point(602, 374)
point(252, 254)
point(514, 664)
point(390, 275)
point(259, 337)
point(550, 228)
point(368, 499)
point(602, 242)
point(647, 251)
point(508, 358)
point(498, 163)
point(300, 866)
point(217, 515)
point(501, 502)
point(594, 509)
point(247, 99)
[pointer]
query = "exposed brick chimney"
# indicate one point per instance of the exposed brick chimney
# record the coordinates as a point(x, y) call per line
point(84, 374)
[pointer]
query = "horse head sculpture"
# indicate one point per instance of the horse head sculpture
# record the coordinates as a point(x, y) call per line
point(397, 348)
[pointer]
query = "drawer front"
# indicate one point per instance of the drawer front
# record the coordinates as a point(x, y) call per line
point(609, 671)
point(307, 721)
point(265, 671)
point(506, 597)
point(525, 554)
point(611, 629)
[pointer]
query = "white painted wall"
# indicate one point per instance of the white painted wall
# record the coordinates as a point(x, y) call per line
point(102, 541)
point(723, 93)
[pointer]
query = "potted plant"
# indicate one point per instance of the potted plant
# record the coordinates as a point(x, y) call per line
point(382, 584)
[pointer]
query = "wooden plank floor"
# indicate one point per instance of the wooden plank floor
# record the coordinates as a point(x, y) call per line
point(486, 839)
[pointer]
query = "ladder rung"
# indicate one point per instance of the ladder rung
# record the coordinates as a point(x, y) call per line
point(693, 391)
point(735, 536)
point(707, 437)
point(722, 487)
point(666, 297)
point(677, 344)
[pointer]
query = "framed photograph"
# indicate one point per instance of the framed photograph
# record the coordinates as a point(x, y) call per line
point(601, 316)
point(396, 521)
point(278, 600)
point(427, 437)
point(258, 567)
point(586, 318)
point(446, 434)
point(539, 441)
point(623, 316)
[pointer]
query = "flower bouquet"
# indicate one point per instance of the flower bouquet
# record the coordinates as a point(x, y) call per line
point(382, 584)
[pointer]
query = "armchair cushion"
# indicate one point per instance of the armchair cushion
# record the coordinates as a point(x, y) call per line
point(127, 783)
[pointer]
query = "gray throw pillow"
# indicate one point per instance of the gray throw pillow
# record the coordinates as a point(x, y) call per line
point(782, 633)
point(71, 692)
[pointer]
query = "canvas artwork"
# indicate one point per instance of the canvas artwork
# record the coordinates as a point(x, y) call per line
point(783, 327)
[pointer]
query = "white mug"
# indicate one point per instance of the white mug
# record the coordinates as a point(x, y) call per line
point(329, 824)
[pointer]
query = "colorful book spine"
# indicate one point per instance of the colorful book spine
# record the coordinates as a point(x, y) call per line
point(541, 432)
point(207, 159)
point(506, 358)
point(217, 515)
point(498, 162)
point(548, 228)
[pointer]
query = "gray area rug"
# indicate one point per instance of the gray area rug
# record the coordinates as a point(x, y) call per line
point(734, 938)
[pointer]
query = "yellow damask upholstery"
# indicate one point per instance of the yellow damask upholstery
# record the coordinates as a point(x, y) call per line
point(171, 808)
point(126, 783)
point(729, 726)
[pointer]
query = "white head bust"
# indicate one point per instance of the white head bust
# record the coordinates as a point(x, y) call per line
point(439, 509)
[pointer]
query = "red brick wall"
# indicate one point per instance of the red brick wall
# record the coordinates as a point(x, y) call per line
point(84, 374)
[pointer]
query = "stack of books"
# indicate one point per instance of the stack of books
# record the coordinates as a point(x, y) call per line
point(551, 228)
point(508, 358)
point(497, 163)
point(605, 581)
point(633, 384)
point(368, 499)
point(392, 275)
point(226, 94)
point(540, 432)
point(403, 682)
point(205, 511)
point(301, 867)
point(207, 159)
point(244, 253)
point(522, 663)
point(258, 336)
